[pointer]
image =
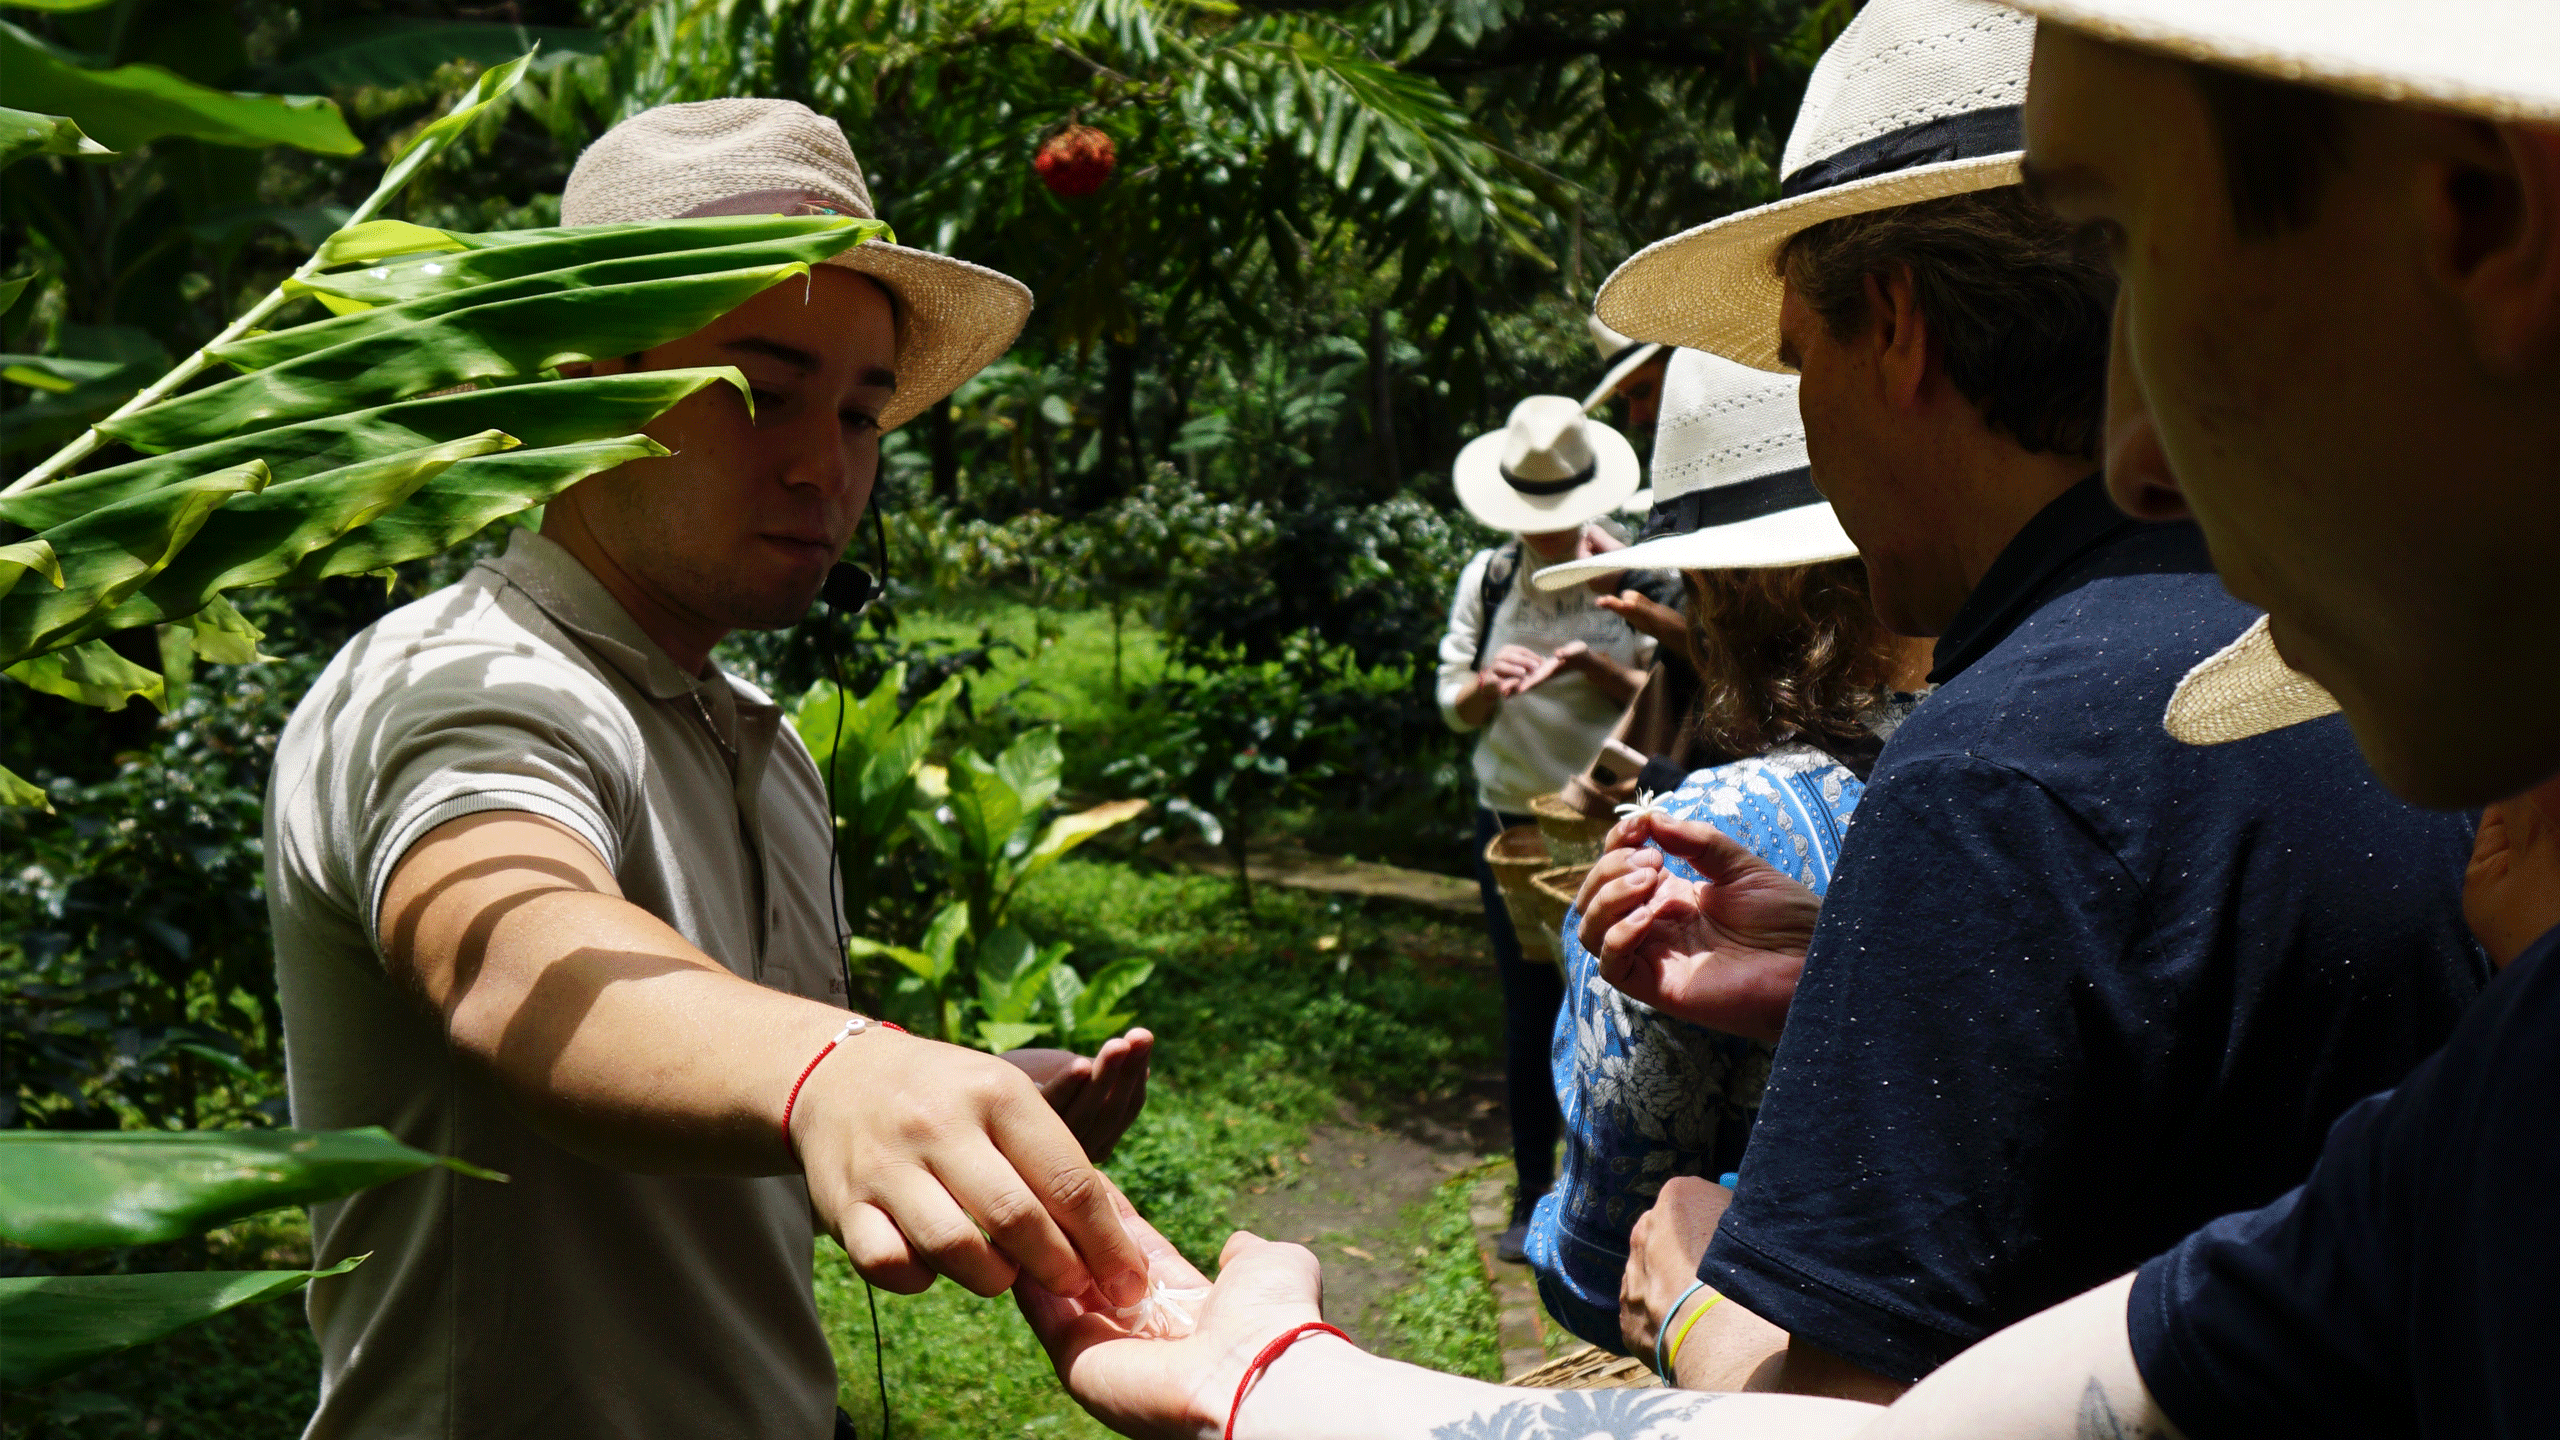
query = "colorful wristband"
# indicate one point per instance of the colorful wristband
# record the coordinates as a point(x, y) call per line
point(1661, 1366)
point(1270, 1353)
point(1673, 1363)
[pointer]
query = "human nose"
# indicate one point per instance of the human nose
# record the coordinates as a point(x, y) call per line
point(2138, 475)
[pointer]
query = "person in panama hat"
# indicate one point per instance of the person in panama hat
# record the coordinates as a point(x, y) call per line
point(1796, 685)
point(2382, 473)
point(1542, 677)
point(553, 892)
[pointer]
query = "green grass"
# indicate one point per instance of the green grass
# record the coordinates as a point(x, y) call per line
point(1447, 1319)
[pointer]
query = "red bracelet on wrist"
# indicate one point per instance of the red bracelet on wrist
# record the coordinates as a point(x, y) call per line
point(852, 1027)
point(1270, 1353)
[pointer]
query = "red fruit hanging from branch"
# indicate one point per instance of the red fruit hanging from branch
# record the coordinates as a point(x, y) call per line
point(1076, 161)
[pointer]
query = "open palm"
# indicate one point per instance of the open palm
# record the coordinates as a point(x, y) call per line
point(1724, 953)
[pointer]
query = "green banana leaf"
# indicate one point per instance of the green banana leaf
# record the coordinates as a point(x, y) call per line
point(261, 351)
point(17, 792)
point(435, 262)
point(24, 133)
point(135, 104)
point(542, 414)
point(91, 674)
point(354, 54)
point(508, 340)
point(79, 1189)
point(58, 1323)
point(17, 560)
point(111, 553)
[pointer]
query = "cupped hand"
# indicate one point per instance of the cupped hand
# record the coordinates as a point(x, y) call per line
point(1724, 954)
point(924, 1158)
point(1663, 1253)
point(1099, 1097)
point(1511, 668)
point(2511, 889)
point(1648, 616)
point(1150, 1388)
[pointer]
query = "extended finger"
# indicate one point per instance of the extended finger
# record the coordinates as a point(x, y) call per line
point(938, 1213)
point(1007, 1206)
point(879, 1251)
point(1608, 867)
point(1075, 1207)
point(1614, 905)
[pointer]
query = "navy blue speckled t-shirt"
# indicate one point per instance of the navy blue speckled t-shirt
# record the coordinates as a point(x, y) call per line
point(2078, 988)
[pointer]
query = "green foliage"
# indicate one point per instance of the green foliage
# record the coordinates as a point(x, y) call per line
point(72, 1190)
point(1448, 1320)
point(133, 105)
point(58, 1323)
point(869, 751)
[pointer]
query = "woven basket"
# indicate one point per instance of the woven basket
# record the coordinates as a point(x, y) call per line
point(1555, 888)
point(1515, 856)
point(1573, 838)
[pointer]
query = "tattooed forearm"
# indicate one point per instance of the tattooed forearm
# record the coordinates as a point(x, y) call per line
point(2100, 1421)
point(1581, 1415)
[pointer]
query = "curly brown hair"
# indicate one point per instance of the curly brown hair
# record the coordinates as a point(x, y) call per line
point(1792, 652)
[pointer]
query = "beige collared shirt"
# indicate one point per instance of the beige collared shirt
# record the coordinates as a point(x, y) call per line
point(576, 1300)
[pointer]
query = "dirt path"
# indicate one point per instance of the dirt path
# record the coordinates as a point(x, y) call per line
point(1300, 869)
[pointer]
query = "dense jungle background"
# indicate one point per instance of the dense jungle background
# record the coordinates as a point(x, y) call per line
point(1197, 526)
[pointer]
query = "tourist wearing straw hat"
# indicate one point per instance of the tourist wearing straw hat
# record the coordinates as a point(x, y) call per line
point(553, 893)
point(2385, 481)
point(1543, 676)
point(1798, 680)
point(1630, 370)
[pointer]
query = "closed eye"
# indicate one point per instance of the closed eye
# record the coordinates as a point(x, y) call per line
point(858, 419)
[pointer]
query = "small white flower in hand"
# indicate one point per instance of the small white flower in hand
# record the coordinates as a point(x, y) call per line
point(1646, 803)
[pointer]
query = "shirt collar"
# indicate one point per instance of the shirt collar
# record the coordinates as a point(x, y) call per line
point(2075, 522)
point(577, 602)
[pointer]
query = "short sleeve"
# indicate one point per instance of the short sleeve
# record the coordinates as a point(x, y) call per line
point(457, 726)
point(1933, 1150)
point(2412, 1286)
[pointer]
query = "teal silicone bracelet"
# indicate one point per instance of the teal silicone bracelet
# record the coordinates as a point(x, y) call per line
point(1664, 1333)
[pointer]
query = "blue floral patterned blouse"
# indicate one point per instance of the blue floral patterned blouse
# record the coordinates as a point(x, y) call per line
point(1647, 1097)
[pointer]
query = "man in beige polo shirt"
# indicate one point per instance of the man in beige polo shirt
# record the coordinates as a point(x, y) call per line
point(552, 893)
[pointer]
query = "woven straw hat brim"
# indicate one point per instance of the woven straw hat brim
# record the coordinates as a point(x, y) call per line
point(1716, 288)
point(2241, 690)
point(1806, 535)
point(2490, 58)
point(1490, 498)
point(956, 319)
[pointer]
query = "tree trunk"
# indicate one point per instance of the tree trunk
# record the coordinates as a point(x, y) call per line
point(1382, 408)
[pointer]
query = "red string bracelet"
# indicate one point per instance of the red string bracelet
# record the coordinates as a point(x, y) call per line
point(852, 1027)
point(1270, 1353)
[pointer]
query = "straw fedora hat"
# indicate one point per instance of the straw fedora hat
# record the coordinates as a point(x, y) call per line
point(1620, 357)
point(778, 157)
point(1731, 486)
point(1917, 100)
point(1551, 468)
point(2489, 58)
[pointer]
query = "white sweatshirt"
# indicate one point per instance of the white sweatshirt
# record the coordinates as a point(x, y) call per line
point(1538, 740)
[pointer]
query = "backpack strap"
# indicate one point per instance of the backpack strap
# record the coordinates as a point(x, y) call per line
point(1499, 574)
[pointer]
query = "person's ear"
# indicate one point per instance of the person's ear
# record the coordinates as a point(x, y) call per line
point(2491, 198)
point(2138, 475)
point(1900, 335)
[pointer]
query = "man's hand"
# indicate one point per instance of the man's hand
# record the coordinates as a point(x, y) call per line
point(2511, 890)
point(1178, 1388)
point(1724, 954)
point(1515, 668)
point(1663, 1254)
point(1100, 1097)
point(927, 1158)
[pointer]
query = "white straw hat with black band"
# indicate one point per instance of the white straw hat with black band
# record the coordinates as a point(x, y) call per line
point(779, 157)
point(1620, 357)
point(1731, 486)
point(2497, 60)
point(1550, 468)
point(1917, 100)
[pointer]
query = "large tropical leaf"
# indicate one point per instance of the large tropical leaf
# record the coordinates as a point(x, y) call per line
point(24, 133)
point(108, 554)
point(135, 104)
point(58, 1323)
point(382, 52)
point(78, 1189)
point(392, 261)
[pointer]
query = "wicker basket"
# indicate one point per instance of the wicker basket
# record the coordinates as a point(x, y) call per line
point(1573, 838)
point(1555, 888)
point(1515, 856)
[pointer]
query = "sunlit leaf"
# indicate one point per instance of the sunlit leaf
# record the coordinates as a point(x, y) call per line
point(1069, 831)
point(91, 674)
point(110, 553)
point(495, 81)
point(58, 1323)
point(436, 262)
point(1002, 1035)
point(135, 104)
point(77, 1189)
point(19, 793)
point(25, 557)
point(55, 374)
point(224, 636)
point(921, 964)
point(24, 133)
